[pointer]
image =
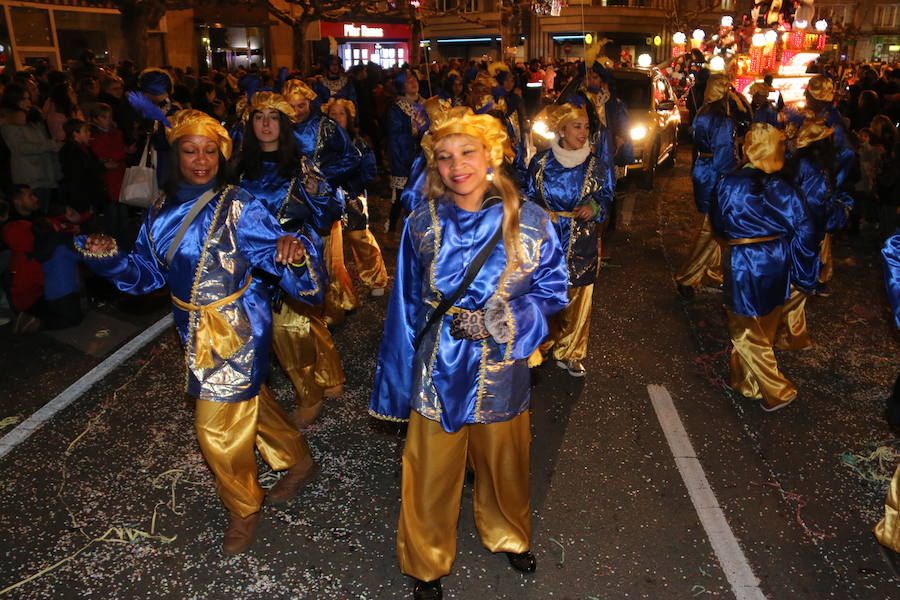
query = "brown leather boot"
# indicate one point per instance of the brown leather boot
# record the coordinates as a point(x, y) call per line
point(240, 533)
point(306, 415)
point(289, 485)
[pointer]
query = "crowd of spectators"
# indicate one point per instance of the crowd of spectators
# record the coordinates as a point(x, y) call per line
point(67, 137)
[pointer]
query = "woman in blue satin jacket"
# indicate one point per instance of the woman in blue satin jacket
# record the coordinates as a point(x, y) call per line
point(462, 378)
point(363, 245)
point(715, 154)
point(221, 312)
point(770, 244)
point(571, 181)
point(406, 123)
point(271, 168)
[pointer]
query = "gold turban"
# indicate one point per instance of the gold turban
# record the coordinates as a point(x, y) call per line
point(811, 131)
point(294, 89)
point(820, 88)
point(195, 122)
point(761, 88)
point(764, 147)
point(436, 108)
point(261, 100)
point(347, 105)
point(484, 78)
point(561, 115)
point(716, 88)
point(462, 121)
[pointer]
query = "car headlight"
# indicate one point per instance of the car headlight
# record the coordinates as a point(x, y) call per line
point(638, 133)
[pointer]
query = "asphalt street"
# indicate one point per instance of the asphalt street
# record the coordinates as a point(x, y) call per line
point(111, 498)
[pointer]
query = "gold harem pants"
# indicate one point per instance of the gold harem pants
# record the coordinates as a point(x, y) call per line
point(227, 433)
point(887, 531)
point(754, 372)
point(340, 295)
point(569, 329)
point(792, 333)
point(704, 263)
point(306, 351)
point(434, 467)
point(367, 256)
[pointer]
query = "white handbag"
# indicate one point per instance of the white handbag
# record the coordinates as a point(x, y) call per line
point(139, 187)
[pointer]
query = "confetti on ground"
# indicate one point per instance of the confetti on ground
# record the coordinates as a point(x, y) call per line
point(4, 423)
point(878, 465)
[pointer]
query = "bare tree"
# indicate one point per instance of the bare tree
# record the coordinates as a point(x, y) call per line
point(138, 18)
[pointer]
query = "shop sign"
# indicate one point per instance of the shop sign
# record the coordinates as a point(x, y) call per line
point(363, 30)
point(351, 30)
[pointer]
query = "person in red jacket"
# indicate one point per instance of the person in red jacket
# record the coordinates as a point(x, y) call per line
point(23, 280)
point(108, 144)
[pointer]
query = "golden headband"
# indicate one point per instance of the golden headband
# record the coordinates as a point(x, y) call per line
point(462, 121)
point(820, 88)
point(195, 122)
point(347, 105)
point(812, 131)
point(261, 100)
point(294, 89)
point(764, 147)
point(716, 88)
point(761, 88)
point(563, 114)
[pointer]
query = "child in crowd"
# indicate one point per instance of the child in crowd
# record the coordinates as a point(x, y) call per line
point(108, 145)
point(82, 184)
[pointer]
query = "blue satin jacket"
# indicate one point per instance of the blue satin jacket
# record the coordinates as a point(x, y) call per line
point(290, 202)
point(562, 189)
point(355, 184)
point(458, 381)
point(759, 274)
point(715, 152)
point(828, 207)
point(326, 143)
point(407, 122)
point(891, 255)
point(767, 114)
point(233, 235)
point(341, 87)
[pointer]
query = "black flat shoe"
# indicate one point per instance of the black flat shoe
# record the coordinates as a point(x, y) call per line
point(428, 590)
point(524, 562)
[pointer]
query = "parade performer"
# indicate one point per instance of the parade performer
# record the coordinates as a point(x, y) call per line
point(609, 115)
point(573, 184)
point(887, 531)
point(485, 99)
point(715, 154)
point(202, 239)
point(453, 89)
point(770, 244)
point(453, 359)
point(364, 246)
point(334, 83)
point(515, 108)
point(328, 147)
point(272, 170)
point(819, 97)
point(815, 175)
point(763, 111)
point(407, 122)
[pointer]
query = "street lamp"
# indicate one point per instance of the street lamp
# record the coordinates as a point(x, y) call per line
point(679, 38)
point(699, 35)
point(727, 21)
point(821, 25)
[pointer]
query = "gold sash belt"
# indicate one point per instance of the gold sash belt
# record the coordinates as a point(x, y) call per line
point(704, 155)
point(214, 332)
point(555, 215)
point(744, 241)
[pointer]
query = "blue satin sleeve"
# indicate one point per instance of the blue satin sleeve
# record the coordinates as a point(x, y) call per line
point(414, 192)
point(402, 145)
point(622, 129)
point(257, 235)
point(392, 389)
point(137, 272)
point(337, 155)
point(891, 255)
point(602, 196)
point(767, 114)
point(713, 135)
point(546, 297)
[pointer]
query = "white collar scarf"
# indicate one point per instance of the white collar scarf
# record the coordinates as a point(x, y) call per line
point(570, 158)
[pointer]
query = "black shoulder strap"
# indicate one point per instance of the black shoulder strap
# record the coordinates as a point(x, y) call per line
point(471, 273)
point(199, 203)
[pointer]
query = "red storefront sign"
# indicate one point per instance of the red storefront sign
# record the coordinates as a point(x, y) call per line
point(388, 31)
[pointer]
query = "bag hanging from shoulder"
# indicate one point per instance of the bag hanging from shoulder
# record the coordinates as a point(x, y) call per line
point(139, 187)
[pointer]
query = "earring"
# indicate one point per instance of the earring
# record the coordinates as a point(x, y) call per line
point(490, 174)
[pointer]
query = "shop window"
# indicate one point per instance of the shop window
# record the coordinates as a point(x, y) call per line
point(443, 6)
point(31, 26)
point(885, 15)
point(727, 4)
point(833, 13)
point(100, 32)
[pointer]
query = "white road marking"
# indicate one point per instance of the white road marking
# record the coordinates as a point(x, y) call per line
point(626, 211)
point(74, 391)
point(734, 564)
